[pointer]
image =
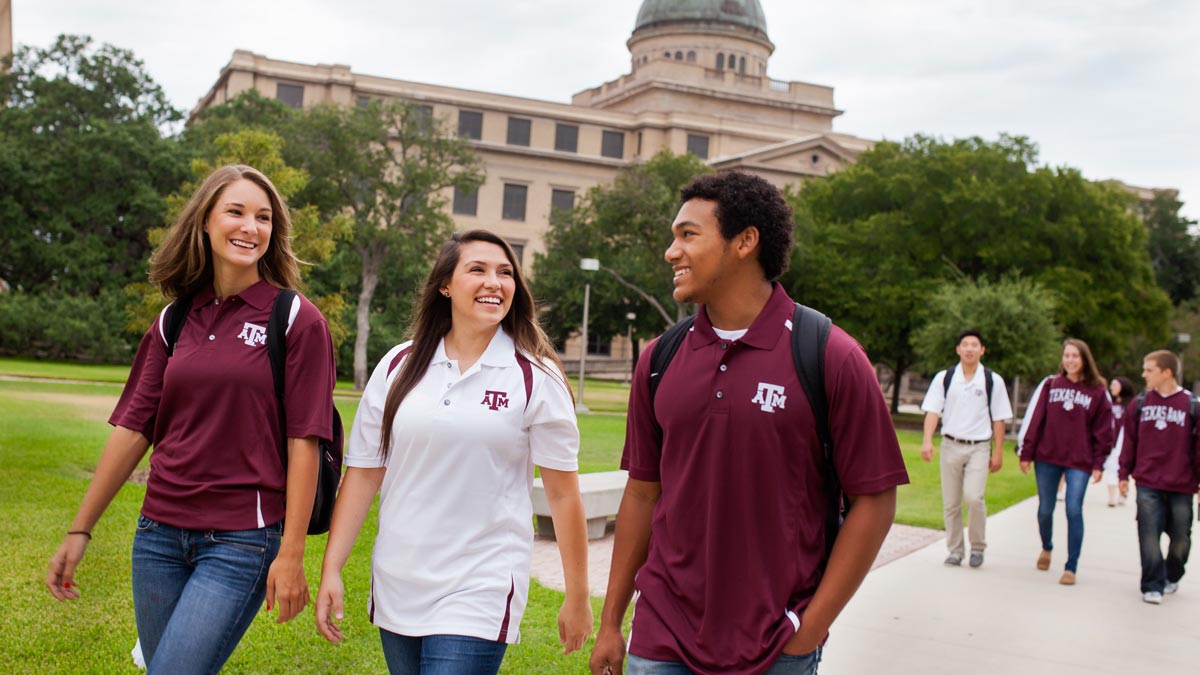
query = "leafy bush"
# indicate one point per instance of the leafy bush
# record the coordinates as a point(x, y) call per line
point(65, 327)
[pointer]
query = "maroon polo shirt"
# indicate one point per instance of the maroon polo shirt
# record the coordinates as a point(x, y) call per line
point(738, 535)
point(1158, 450)
point(211, 411)
point(1072, 426)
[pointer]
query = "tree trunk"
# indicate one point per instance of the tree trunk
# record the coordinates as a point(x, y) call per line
point(897, 374)
point(370, 280)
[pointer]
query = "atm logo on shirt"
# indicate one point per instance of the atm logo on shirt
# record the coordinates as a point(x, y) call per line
point(495, 400)
point(1069, 398)
point(769, 397)
point(1162, 415)
point(253, 334)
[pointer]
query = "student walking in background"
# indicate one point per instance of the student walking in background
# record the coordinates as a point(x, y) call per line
point(449, 429)
point(1069, 434)
point(212, 539)
point(1159, 452)
point(973, 405)
point(1122, 392)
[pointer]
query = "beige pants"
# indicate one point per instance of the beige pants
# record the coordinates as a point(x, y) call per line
point(964, 477)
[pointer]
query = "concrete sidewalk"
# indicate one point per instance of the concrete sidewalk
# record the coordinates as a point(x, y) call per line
point(915, 615)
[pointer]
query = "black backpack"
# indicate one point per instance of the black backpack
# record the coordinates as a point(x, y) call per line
point(987, 385)
point(810, 333)
point(329, 470)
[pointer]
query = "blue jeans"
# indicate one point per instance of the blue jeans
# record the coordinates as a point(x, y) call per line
point(1159, 511)
point(786, 664)
point(1048, 476)
point(195, 592)
point(441, 654)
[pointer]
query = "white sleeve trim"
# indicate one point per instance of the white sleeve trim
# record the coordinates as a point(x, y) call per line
point(1033, 401)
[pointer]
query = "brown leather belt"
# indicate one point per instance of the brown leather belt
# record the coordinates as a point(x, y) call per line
point(963, 441)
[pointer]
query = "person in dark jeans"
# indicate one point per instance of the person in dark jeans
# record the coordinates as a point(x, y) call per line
point(1159, 451)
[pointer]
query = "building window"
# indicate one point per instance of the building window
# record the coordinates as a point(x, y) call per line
point(566, 137)
point(422, 116)
point(720, 62)
point(698, 145)
point(470, 124)
point(518, 131)
point(561, 201)
point(518, 252)
point(290, 94)
point(666, 55)
point(514, 201)
point(363, 101)
point(691, 57)
point(612, 144)
point(466, 203)
point(678, 56)
point(742, 65)
point(599, 345)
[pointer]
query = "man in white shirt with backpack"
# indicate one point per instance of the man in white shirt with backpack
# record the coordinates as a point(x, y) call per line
point(973, 405)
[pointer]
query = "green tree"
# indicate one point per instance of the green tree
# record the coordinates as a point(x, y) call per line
point(386, 167)
point(878, 237)
point(1015, 316)
point(627, 227)
point(313, 238)
point(84, 168)
point(1174, 248)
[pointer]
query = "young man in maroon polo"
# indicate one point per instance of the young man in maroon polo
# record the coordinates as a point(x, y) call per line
point(1160, 453)
point(722, 525)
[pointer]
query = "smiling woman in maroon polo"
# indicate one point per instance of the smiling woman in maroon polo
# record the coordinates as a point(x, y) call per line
point(211, 540)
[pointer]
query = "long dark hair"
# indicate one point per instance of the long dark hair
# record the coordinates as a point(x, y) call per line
point(1127, 392)
point(183, 263)
point(432, 321)
point(1091, 374)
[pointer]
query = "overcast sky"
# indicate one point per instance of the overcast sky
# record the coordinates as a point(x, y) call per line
point(1109, 86)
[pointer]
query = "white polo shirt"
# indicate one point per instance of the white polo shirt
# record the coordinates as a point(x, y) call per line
point(964, 410)
point(455, 517)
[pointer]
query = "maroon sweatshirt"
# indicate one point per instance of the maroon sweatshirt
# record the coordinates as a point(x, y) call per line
point(1159, 451)
point(1072, 426)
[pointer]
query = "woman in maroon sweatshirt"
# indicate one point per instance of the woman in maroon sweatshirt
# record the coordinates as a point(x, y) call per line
point(1070, 433)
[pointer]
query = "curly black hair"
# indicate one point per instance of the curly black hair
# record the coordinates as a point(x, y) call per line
point(744, 200)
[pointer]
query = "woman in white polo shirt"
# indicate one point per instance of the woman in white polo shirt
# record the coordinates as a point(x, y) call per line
point(448, 431)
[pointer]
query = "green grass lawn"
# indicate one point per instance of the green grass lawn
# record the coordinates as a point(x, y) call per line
point(51, 434)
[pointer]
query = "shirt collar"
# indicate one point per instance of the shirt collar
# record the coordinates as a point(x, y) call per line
point(259, 296)
point(500, 352)
point(763, 333)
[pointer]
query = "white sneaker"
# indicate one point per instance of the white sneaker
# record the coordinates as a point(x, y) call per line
point(1171, 587)
point(1152, 597)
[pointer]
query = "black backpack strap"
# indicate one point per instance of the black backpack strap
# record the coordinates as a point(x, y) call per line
point(664, 350)
point(946, 383)
point(1192, 405)
point(277, 327)
point(987, 386)
point(172, 325)
point(810, 334)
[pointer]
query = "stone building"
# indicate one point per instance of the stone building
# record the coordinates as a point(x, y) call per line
point(697, 83)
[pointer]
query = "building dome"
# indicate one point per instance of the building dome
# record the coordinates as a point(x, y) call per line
point(743, 13)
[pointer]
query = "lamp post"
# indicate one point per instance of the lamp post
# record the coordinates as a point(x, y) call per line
point(587, 265)
point(630, 317)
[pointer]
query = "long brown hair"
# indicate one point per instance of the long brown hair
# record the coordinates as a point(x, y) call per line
point(1091, 374)
point(432, 321)
point(183, 264)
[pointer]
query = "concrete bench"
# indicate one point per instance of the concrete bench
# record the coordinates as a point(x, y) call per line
point(601, 494)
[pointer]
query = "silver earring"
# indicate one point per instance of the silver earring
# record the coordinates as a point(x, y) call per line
point(446, 293)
